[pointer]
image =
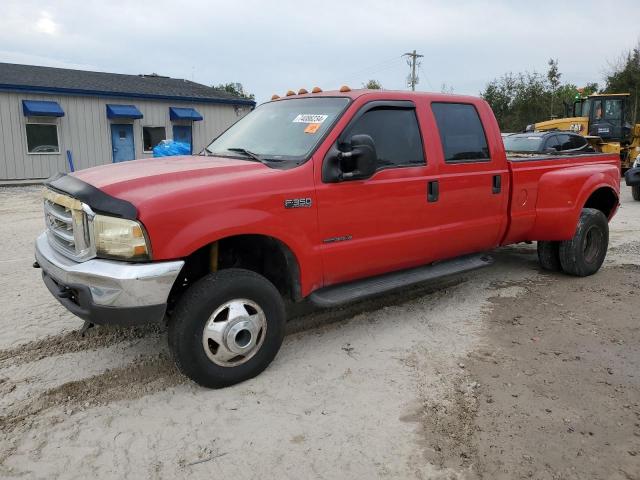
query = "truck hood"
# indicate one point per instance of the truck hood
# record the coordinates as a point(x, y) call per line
point(140, 181)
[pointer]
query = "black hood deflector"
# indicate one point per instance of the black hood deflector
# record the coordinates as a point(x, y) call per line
point(98, 200)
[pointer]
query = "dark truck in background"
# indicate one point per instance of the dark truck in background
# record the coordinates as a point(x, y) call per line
point(327, 197)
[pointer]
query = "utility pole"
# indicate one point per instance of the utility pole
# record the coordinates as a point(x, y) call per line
point(412, 79)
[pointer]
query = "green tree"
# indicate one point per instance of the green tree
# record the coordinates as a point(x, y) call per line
point(234, 88)
point(372, 85)
point(520, 99)
point(553, 77)
point(624, 77)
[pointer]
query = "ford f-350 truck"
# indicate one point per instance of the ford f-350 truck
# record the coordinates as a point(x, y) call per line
point(325, 196)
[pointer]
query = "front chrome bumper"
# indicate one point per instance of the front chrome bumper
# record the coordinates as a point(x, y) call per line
point(97, 289)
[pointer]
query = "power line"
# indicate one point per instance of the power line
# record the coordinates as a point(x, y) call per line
point(425, 77)
point(413, 79)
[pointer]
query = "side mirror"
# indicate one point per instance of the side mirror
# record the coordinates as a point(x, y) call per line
point(358, 162)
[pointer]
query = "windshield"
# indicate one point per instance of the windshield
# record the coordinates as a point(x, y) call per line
point(284, 130)
point(522, 144)
point(613, 109)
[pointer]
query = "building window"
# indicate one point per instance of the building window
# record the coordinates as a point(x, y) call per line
point(152, 136)
point(42, 138)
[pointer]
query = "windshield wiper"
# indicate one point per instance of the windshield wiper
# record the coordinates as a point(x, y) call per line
point(246, 152)
point(255, 156)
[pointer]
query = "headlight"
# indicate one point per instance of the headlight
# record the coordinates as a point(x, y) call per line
point(119, 238)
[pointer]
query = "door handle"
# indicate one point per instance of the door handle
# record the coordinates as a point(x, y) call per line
point(433, 191)
point(497, 183)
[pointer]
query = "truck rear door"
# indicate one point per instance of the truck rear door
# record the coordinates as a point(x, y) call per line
point(473, 179)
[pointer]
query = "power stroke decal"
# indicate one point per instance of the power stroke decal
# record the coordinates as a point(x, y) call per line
point(343, 238)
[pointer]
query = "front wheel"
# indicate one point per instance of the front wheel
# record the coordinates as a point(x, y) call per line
point(584, 254)
point(227, 328)
point(635, 192)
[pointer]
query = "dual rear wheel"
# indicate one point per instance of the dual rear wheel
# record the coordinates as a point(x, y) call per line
point(584, 254)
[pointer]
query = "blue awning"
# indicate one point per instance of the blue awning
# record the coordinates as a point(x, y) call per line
point(178, 113)
point(41, 108)
point(123, 111)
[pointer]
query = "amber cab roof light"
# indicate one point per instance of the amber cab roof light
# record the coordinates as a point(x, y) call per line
point(344, 88)
point(302, 91)
point(290, 92)
point(275, 97)
point(316, 90)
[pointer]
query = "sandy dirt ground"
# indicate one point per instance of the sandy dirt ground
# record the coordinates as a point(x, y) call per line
point(507, 372)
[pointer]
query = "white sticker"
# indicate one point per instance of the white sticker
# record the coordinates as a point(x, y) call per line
point(310, 118)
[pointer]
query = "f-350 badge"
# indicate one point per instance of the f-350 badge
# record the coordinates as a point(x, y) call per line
point(297, 203)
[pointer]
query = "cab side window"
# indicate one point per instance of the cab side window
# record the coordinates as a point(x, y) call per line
point(552, 142)
point(461, 133)
point(395, 133)
point(565, 142)
point(578, 142)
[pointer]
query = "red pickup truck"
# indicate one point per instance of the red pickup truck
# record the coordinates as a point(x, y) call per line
point(324, 196)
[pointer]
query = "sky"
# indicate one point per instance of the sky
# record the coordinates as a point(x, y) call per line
point(273, 46)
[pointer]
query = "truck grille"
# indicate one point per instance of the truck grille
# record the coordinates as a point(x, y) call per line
point(68, 226)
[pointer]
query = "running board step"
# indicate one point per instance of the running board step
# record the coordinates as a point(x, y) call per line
point(348, 292)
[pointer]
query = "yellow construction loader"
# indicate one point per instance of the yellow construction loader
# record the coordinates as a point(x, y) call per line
point(604, 120)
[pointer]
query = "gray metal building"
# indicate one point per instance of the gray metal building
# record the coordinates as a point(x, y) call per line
point(100, 117)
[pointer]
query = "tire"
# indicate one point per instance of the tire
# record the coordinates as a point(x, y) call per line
point(584, 253)
point(635, 193)
point(220, 316)
point(549, 256)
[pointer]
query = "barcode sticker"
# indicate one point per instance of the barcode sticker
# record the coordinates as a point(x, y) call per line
point(310, 118)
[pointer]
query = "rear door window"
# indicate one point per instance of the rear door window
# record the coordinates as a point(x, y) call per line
point(461, 133)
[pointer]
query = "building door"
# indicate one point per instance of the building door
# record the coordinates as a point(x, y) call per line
point(182, 133)
point(122, 142)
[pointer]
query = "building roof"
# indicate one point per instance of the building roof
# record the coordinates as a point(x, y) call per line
point(66, 81)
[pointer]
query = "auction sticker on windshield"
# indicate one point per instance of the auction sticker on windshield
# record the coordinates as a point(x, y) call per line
point(310, 118)
point(312, 128)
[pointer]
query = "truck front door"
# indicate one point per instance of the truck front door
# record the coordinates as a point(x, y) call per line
point(372, 226)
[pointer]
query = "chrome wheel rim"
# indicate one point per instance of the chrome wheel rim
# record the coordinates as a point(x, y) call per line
point(234, 333)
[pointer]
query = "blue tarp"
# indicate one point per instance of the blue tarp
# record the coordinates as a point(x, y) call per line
point(169, 148)
point(41, 108)
point(179, 113)
point(123, 111)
